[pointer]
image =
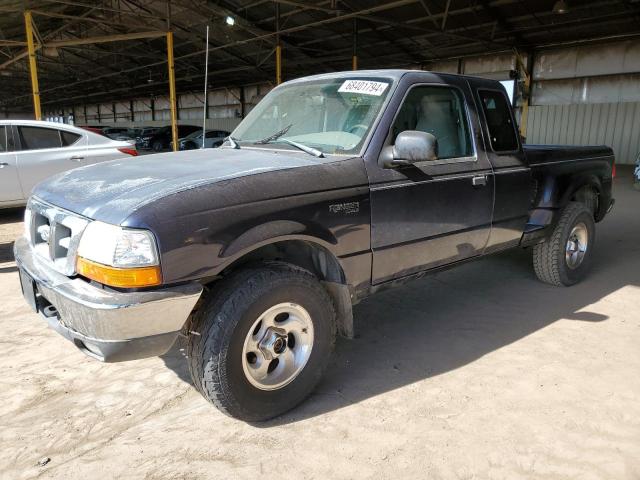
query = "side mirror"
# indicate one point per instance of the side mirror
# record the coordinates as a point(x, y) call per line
point(411, 146)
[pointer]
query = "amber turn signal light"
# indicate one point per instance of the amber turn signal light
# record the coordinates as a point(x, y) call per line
point(119, 277)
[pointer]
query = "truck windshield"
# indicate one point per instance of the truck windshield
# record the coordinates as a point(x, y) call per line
point(332, 115)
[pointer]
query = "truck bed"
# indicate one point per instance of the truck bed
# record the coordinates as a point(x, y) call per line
point(544, 154)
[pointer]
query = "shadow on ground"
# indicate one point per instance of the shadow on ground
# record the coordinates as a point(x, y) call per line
point(446, 321)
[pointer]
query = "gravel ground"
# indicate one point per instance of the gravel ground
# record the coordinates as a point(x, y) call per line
point(479, 372)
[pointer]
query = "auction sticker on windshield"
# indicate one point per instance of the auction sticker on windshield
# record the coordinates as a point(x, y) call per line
point(366, 87)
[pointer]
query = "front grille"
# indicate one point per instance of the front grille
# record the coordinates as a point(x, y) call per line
point(55, 234)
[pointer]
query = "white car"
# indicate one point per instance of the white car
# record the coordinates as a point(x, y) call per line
point(31, 151)
point(212, 139)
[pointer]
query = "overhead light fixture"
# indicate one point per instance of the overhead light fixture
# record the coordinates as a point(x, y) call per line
point(230, 20)
point(560, 7)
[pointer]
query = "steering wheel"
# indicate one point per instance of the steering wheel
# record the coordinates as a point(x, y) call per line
point(358, 126)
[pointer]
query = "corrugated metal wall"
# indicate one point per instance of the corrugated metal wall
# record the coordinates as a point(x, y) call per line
point(588, 95)
point(614, 124)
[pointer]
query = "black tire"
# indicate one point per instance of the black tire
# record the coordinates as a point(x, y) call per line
point(157, 146)
point(549, 261)
point(222, 324)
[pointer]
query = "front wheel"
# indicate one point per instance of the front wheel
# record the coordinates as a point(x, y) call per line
point(262, 341)
point(565, 258)
point(157, 146)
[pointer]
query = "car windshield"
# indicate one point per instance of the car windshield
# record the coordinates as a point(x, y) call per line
point(331, 115)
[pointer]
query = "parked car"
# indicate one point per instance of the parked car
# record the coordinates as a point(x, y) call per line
point(116, 133)
point(31, 151)
point(161, 139)
point(333, 188)
point(144, 133)
point(125, 135)
point(212, 139)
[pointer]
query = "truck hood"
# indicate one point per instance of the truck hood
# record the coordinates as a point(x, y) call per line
point(111, 191)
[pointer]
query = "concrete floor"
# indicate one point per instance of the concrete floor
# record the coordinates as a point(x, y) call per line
point(480, 372)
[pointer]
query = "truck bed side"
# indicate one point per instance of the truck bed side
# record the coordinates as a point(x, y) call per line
point(562, 174)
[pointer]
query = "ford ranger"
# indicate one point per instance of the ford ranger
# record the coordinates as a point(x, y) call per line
point(333, 188)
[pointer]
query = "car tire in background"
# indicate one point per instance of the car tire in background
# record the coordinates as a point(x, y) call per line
point(157, 146)
point(261, 341)
point(565, 257)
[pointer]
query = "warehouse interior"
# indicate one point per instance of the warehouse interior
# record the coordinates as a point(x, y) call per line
point(481, 371)
point(572, 67)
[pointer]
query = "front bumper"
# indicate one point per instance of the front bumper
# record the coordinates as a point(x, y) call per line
point(108, 325)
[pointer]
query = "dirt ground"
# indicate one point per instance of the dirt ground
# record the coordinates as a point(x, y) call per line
point(477, 373)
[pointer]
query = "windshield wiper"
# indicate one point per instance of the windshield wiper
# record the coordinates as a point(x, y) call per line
point(274, 136)
point(310, 150)
point(232, 142)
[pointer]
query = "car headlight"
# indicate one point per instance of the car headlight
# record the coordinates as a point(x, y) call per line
point(119, 257)
point(27, 223)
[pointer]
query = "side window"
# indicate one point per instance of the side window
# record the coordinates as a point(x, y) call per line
point(3, 140)
point(498, 115)
point(69, 138)
point(33, 138)
point(439, 111)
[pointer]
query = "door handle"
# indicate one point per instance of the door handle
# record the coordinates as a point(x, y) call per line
point(4, 164)
point(480, 181)
point(76, 159)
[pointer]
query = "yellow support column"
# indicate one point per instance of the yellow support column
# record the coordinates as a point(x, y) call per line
point(278, 47)
point(278, 64)
point(526, 92)
point(354, 57)
point(172, 92)
point(525, 107)
point(33, 68)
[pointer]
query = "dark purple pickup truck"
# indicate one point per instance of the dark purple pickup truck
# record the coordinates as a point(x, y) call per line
point(334, 187)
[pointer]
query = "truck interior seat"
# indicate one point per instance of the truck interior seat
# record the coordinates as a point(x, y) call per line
point(437, 118)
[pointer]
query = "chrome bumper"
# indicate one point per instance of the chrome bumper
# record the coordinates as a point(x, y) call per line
point(106, 324)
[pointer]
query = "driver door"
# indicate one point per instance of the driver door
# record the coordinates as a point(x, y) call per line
point(435, 212)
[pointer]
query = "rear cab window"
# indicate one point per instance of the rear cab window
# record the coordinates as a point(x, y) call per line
point(497, 113)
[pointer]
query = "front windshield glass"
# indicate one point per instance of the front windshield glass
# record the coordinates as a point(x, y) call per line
point(331, 115)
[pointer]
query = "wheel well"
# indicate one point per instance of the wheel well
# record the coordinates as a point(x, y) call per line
point(307, 255)
point(317, 260)
point(589, 196)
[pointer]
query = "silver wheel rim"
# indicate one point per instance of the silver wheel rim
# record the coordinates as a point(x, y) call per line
point(577, 245)
point(278, 346)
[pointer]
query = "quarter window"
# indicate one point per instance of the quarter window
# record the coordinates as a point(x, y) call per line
point(34, 138)
point(439, 111)
point(69, 138)
point(498, 115)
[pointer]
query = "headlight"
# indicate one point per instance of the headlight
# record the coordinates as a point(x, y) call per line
point(118, 256)
point(27, 223)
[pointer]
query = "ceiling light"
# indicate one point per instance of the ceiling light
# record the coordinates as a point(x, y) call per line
point(230, 20)
point(560, 7)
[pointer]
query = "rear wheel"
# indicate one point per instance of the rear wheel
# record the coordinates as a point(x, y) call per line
point(565, 258)
point(262, 341)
